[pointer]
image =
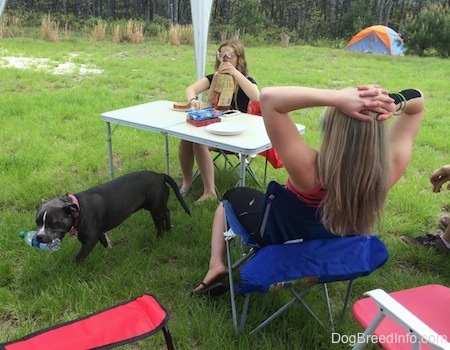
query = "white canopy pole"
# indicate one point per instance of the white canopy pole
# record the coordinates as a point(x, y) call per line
point(2, 7)
point(201, 13)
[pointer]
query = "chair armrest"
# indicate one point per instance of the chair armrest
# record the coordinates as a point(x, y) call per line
point(398, 313)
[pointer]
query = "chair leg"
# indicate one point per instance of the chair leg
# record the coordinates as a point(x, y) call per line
point(274, 315)
point(231, 283)
point(265, 173)
point(327, 301)
point(347, 299)
point(235, 166)
point(244, 312)
point(227, 161)
point(231, 268)
point(251, 172)
point(297, 297)
point(196, 175)
point(248, 168)
point(369, 330)
point(243, 259)
point(168, 338)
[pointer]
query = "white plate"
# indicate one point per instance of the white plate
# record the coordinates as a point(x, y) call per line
point(226, 129)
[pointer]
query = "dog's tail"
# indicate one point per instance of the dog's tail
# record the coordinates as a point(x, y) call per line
point(180, 198)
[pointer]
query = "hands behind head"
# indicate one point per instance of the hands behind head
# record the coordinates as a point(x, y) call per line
point(367, 97)
point(439, 177)
point(379, 101)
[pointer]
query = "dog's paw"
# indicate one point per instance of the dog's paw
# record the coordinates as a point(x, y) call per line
point(109, 246)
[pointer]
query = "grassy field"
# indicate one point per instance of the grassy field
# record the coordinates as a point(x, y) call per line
point(53, 142)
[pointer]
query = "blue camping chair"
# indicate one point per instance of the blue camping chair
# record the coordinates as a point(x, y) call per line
point(292, 246)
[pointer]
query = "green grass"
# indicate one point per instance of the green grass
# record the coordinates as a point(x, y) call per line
point(53, 142)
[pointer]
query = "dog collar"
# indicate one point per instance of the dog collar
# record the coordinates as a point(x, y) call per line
point(76, 215)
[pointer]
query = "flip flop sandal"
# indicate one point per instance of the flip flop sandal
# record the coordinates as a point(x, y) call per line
point(441, 247)
point(428, 240)
point(214, 290)
point(184, 193)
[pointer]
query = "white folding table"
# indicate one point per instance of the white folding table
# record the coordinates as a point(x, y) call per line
point(153, 116)
point(159, 116)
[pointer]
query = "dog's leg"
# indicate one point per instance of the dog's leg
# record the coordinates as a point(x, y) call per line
point(105, 241)
point(159, 218)
point(85, 250)
point(167, 224)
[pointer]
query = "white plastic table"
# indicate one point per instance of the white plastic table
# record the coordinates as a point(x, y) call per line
point(153, 116)
point(159, 116)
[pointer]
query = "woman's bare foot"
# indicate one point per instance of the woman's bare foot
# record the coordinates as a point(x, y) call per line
point(212, 276)
point(206, 197)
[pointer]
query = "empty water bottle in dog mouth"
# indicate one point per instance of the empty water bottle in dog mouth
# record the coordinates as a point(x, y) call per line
point(30, 238)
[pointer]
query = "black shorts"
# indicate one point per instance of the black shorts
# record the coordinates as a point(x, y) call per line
point(247, 204)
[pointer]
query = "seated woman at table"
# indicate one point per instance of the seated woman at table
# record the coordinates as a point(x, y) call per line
point(230, 60)
point(347, 179)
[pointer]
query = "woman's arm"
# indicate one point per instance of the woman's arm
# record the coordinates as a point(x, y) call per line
point(193, 90)
point(403, 131)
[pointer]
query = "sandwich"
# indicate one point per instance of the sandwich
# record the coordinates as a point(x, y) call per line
point(181, 106)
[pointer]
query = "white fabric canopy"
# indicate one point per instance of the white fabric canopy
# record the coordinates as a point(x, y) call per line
point(201, 13)
point(2, 7)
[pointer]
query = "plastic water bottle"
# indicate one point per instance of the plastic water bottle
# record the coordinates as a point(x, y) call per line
point(30, 238)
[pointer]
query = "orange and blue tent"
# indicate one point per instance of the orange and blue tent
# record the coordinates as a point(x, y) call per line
point(377, 39)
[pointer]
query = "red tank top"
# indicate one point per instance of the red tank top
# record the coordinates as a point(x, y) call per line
point(311, 198)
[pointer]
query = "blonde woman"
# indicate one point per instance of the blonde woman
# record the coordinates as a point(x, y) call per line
point(360, 158)
point(230, 59)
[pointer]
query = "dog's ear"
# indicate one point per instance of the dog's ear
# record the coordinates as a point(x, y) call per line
point(70, 209)
point(41, 203)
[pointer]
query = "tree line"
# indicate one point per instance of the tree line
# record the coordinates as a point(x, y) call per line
point(303, 20)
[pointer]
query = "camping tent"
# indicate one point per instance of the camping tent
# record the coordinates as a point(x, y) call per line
point(377, 39)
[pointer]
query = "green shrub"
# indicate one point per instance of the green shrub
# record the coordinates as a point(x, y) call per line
point(429, 33)
point(219, 32)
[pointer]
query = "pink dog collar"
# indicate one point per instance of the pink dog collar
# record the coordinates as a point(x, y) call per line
point(76, 215)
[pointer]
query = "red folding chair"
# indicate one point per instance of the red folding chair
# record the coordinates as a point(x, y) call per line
point(121, 324)
point(415, 318)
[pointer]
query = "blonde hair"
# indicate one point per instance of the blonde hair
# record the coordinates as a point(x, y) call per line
point(354, 167)
point(238, 50)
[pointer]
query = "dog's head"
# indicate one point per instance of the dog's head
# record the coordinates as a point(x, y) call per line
point(55, 218)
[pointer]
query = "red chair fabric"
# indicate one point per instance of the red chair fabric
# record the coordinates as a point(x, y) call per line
point(271, 154)
point(124, 323)
point(429, 303)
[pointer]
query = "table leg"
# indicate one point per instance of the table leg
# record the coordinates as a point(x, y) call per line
point(166, 140)
point(242, 171)
point(110, 154)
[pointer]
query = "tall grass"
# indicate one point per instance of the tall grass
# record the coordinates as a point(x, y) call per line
point(50, 28)
point(98, 32)
point(53, 143)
